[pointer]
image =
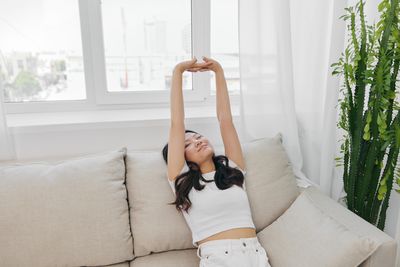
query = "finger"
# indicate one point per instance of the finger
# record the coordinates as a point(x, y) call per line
point(205, 64)
point(197, 64)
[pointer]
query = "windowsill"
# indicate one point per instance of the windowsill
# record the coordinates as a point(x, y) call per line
point(78, 120)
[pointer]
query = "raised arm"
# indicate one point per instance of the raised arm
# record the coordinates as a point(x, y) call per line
point(176, 141)
point(229, 135)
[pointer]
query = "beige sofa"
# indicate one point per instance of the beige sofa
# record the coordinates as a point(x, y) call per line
point(110, 209)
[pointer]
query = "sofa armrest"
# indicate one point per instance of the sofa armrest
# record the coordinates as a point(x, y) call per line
point(384, 256)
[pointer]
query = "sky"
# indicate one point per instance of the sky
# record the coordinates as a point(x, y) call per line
point(39, 25)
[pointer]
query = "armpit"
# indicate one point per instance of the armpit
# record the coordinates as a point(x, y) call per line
point(234, 165)
point(185, 168)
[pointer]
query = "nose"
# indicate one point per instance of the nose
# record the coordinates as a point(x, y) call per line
point(198, 142)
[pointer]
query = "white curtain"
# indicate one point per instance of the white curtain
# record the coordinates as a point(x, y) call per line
point(286, 48)
point(7, 150)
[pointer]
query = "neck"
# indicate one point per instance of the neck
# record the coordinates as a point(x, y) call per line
point(207, 166)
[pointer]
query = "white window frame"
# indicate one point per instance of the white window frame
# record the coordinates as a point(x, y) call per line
point(97, 96)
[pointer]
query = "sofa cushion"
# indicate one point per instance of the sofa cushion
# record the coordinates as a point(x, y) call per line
point(157, 226)
point(122, 264)
point(305, 236)
point(67, 213)
point(270, 181)
point(385, 255)
point(177, 258)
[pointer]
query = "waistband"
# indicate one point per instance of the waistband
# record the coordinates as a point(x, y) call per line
point(213, 246)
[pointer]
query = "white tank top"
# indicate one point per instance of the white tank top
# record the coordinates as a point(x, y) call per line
point(214, 210)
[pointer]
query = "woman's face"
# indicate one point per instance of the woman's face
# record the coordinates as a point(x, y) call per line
point(197, 148)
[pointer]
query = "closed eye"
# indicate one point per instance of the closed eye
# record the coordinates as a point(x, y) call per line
point(196, 138)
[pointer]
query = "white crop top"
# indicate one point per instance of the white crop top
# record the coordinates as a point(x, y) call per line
point(214, 210)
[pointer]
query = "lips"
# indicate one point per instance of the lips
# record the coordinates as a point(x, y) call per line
point(203, 146)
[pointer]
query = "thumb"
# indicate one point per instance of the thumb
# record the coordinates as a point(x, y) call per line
point(205, 59)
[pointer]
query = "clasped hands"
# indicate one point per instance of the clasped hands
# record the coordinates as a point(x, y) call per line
point(192, 66)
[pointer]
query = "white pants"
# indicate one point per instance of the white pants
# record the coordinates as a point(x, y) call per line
point(241, 252)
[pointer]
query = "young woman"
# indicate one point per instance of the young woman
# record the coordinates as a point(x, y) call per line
point(210, 190)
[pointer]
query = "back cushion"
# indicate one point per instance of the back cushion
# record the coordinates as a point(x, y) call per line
point(271, 184)
point(157, 226)
point(66, 213)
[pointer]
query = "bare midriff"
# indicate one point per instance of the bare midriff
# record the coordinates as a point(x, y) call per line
point(235, 233)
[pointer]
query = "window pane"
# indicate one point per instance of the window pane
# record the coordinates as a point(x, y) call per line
point(41, 50)
point(143, 41)
point(225, 42)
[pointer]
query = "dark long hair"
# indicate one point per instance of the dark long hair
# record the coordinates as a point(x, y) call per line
point(225, 177)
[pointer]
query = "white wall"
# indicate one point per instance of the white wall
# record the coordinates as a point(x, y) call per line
point(33, 143)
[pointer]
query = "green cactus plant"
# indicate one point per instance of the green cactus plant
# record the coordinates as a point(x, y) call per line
point(370, 146)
